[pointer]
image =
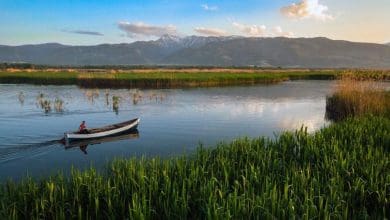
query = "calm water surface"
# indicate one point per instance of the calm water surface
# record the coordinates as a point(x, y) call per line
point(173, 121)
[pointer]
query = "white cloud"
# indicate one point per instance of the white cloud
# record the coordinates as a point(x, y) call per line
point(278, 31)
point(251, 30)
point(307, 9)
point(210, 31)
point(135, 29)
point(209, 8)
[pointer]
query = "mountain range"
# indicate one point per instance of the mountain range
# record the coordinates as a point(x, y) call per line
point(209, 51)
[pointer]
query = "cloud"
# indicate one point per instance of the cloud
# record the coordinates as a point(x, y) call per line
point(210, 31)
point(251, 30)
point(209, 8)
point(84, 32)
point(278, 31)
point(135, 29)
point(307, 9)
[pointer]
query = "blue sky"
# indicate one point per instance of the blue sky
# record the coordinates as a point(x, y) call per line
point(88, 22)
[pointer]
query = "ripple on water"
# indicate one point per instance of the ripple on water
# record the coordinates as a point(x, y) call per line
point(173, 125)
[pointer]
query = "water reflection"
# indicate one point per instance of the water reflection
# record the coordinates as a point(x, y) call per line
point(82, 145)
point(174, 121)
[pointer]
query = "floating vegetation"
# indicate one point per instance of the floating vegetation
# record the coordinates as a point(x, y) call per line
point(92, 94)
point(44, 103)
point(136, 96)
point(339, 172)
point(158, 97)
point(21, 97)
point(59, 105)
point(115, 104)
point(40, 97)
point(107, 94)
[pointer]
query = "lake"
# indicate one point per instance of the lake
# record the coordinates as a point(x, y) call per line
point(173, 121)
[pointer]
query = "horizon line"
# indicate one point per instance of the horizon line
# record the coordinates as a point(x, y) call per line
point(238, 36)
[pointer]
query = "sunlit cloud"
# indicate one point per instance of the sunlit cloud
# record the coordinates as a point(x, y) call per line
point(251, 30)
point(278, 32)
point(94, 33)
point(136, 29)
point(207, 7)
point(210, 31)
point(307, 9)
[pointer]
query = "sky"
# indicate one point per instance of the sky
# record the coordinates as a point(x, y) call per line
point(90, 22)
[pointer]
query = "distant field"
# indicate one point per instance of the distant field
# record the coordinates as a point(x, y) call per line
point(174, 78)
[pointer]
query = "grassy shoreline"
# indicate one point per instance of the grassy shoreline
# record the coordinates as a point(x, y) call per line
point(338, 172)
point(176, 78)
point(355, 99)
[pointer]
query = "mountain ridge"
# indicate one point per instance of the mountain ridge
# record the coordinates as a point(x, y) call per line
point(213, 51)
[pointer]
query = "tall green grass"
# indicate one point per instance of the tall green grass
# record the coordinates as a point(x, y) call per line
point(177, 78)
point(339, 172)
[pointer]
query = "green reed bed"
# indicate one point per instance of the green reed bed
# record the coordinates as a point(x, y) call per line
point(162, 79)
point(339, 172)
point(39, 77)
point(175, 78)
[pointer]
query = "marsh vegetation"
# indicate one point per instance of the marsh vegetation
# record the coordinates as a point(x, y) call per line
point(52, 102)
point(338, 172)
point(157, 78)
point(353, 98)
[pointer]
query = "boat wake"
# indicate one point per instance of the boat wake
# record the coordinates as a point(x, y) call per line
point(20, 151)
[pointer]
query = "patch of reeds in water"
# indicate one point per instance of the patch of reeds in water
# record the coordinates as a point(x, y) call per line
point(353, 97)
point(136, 96)
point(46, 105)
point(115, 104)
point(59, 105)
point(92, 95)
point(107, 94)
point(21, 97)
point(339, 172)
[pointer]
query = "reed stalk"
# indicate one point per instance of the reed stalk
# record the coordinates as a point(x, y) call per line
point(339, 172)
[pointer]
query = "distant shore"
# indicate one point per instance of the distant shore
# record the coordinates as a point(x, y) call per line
point(176, 78)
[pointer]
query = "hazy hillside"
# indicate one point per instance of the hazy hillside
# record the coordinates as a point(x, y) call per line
point(219, 51)
point(286, 52)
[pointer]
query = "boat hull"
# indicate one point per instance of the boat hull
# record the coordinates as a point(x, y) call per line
point(126, 128)
point(132, 134)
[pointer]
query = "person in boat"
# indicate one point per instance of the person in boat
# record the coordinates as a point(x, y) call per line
point(83, 128)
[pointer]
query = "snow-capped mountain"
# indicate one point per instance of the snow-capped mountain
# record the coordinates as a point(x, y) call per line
point(210, 51)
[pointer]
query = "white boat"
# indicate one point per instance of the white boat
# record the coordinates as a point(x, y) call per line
point(133, 134)
point(105, 131)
